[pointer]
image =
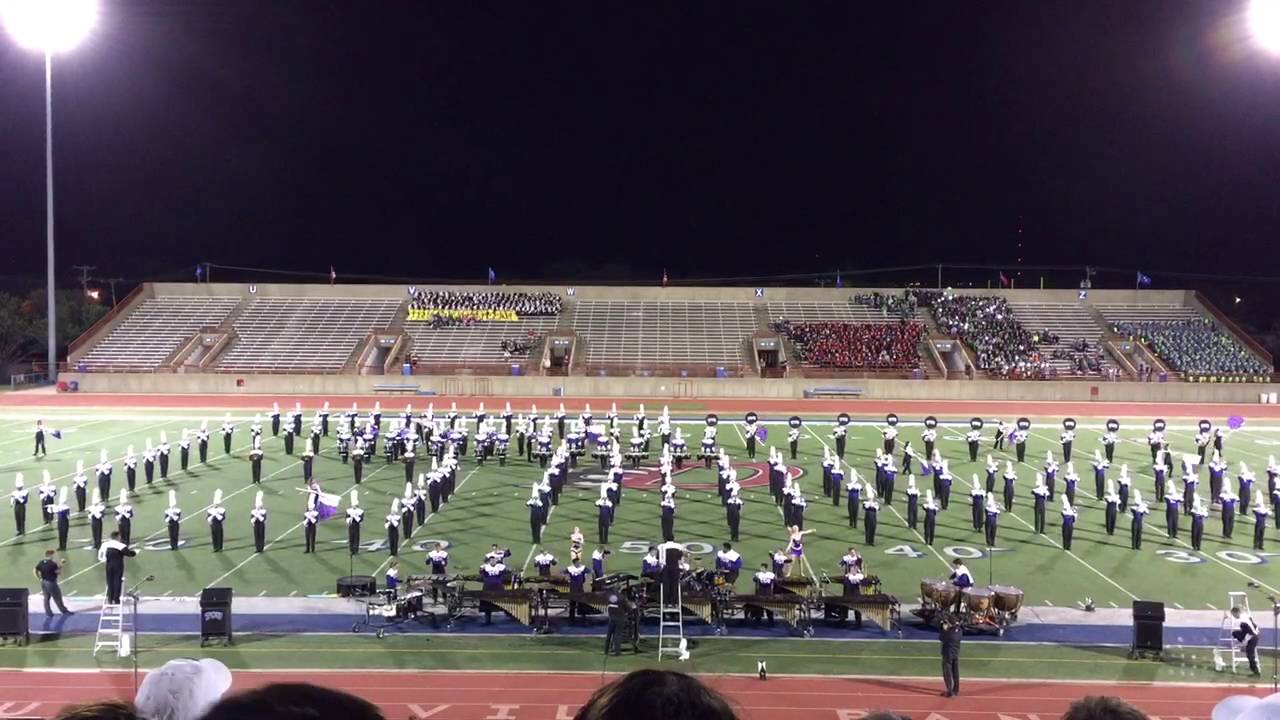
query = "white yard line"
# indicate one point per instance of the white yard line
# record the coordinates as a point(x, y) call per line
point(30, 437)
point(99, 442)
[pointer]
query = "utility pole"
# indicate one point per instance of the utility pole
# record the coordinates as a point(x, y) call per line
point(84, 276)
point(112, 282)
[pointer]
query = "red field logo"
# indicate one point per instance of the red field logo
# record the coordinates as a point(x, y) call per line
point(647, 477)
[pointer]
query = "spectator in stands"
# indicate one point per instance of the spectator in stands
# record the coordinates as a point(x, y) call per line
point(102, 710)
point(522, 303)
point(1101, 707)
point(654, 694)
point(855, 345)
point(294, 701)
point(1002, 346)
point(1195, 346)
point(182, 689)
point(520, 346)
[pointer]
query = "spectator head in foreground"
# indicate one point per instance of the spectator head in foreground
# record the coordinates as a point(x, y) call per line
point(101, 710)
point(656, 695)
point(293, 701)
point(1102, 707)
point(1247, 707)
point(182, 689)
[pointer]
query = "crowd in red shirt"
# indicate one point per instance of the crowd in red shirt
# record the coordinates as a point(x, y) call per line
point(856, 345)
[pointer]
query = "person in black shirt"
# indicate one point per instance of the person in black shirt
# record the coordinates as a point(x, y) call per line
point(112, 553)
point(1246, 633)
point(950, 636)
point(47, 570)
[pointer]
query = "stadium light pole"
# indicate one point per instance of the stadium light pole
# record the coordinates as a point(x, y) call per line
point(49, 27)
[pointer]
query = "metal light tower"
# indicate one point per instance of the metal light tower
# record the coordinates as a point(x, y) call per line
point(49, 27)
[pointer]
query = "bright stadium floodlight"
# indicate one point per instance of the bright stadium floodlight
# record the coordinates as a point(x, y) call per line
point(49, 27)
point(1264, 22)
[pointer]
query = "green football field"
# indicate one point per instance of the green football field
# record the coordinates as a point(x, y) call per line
point(489, 508)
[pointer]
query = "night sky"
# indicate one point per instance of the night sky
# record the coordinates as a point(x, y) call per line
point(609, 140)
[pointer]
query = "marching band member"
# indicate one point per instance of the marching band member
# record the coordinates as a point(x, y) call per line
point(1273, 471)
point(95, 511)
point(275, 419)
point(1138, 511)
point(324, 419)
point(793, 440)
point(929, 437)
point(130, 468)
point(537, 514)
point(255, 460)
point(162, 455)
point(1198, 513)
point(763, 581)
point(977, 499)
point(316, 433)
point(1020, 443)
point(80, 482)
point(1067, 438)
point(1217, 468)
point(853, 491)
point(1158, 474)
point(544, 561)
point(798, 505)
point(870, 513)
point(1246, 486)
point(961, 578)
point(930, 516)
point(1050, 474)
point(406, 510)
point(733, 513)
point(288, 439)
point(358, 455)
point(639, 417)
point(598, 556)
point(310, 518)
point(1155, 440)
point(749, 434)
point(729, 562)
point(420, 495)
point(1068, 523)
point(228, 429)
point(944, 484)
point(1124, 487)
point(992, 519)
point(295, 418)
point(1003, 431)
point(890, 477)
point(795, 546)
point(973, 438)
point(1202, 439)
point(1189, 485)
point(1246, 634)
point(103, 472)
point(668, 506)
point(308, 460)
point(184, 449)
point(48, 495)
point(41, 450)
point(18, 499)
point(1100, 466)
point(258, 519)
point(1229, 502)
point(851, 560)
point(1010, 478)
point(1172, 505)
point(1070, 482)
point(992, 468)
point(172, 519)
point(1260, 513)
point(576, 572)
point(780, 561)
point(1218, 436)
point(438, 559)
point(1113, 506)
point(1108, 440)
point(216, 515)
point(392, 524)
point(840, 434)
point(890, 435)
point(1040, 493)
point(255, 430)
point(124, 516)
point(355, 516)
point(913, 502)
point(827, 462)
point(907, 455)
point(62, 515)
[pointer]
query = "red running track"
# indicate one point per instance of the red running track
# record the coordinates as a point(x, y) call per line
point(538, 696)
point(1218, 412)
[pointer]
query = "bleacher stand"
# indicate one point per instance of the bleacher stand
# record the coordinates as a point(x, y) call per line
point(542, 304)
point(153, 330)
point(284, 334)
point(1003, 347)
point(633, 332)
point(1195, 347)
point(1069, 338)
point(479, 328)
point(842, 345)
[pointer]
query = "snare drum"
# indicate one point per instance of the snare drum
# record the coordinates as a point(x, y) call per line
point(978, 600)
point(1008, 599)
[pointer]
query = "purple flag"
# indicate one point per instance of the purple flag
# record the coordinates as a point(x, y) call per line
point(1235, 422)
point(57, 434)
point(762, 433)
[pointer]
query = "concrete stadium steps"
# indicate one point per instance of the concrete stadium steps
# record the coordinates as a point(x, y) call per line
point(1070, 322)
point(156, 329)
point(663, 332)
point(479, 343)
point(304, 334)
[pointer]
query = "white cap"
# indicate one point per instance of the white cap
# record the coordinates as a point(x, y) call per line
point(173, 498)
point(217, 496)
point(257, 500)
point(182, 689)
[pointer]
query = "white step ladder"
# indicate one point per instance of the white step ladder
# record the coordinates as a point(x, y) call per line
point(114, 625)
point(1228, 651)
point(671, 625)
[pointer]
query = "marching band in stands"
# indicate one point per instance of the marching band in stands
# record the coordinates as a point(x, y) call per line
point(1003, 347)
point(1195, 347)
point(521, 303)
point(855, 345)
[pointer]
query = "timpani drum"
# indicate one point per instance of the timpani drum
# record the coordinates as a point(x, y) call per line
point(978, 601)
point(1007, 599)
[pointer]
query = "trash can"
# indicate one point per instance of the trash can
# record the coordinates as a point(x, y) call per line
point(406, 369)
point(14, 622)
point(215, 615)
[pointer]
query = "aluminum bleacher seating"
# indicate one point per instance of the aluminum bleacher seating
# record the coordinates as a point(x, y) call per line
point(1116, 314)
point(648, 331)
point(153, 330)
point(289, 334)
point(479, 342)
point(1070, 322)
point(804, 312)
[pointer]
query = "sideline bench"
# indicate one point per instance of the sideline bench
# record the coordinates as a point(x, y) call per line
point(397, 387)
point(819, 392)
